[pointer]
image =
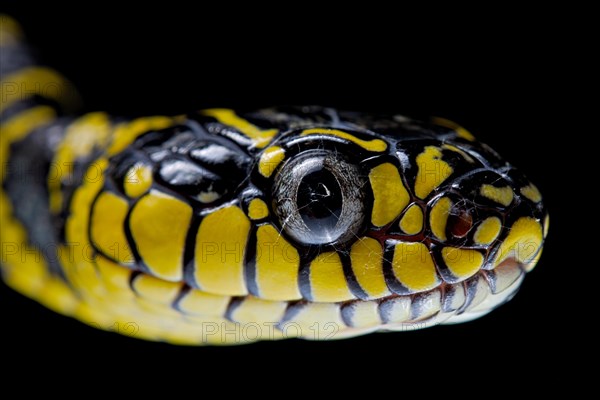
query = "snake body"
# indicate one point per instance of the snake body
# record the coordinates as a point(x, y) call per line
point(221, 226)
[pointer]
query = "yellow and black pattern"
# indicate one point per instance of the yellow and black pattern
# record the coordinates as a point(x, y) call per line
point(226, 227)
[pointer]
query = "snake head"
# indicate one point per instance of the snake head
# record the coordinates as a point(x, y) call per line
point(403, 211)
point(364, 223)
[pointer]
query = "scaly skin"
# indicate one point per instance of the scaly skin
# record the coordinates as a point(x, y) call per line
point(224, 227)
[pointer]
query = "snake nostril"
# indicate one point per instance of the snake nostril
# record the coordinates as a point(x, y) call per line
point(460, 223)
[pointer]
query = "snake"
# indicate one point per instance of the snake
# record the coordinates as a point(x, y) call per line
point(229, 226)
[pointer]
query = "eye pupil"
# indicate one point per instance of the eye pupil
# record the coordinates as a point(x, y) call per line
point(319, 200)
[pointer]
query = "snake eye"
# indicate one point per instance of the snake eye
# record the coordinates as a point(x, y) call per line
point(318, 198)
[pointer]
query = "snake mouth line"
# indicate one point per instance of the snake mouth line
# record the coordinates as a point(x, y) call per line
point(446, 304)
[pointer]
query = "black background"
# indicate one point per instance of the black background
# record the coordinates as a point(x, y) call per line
point(499, 82)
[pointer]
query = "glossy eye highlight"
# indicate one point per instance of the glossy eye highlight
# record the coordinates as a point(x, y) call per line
point(318, 198)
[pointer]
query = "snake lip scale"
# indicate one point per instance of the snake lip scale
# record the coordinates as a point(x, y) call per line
point(282, 222)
